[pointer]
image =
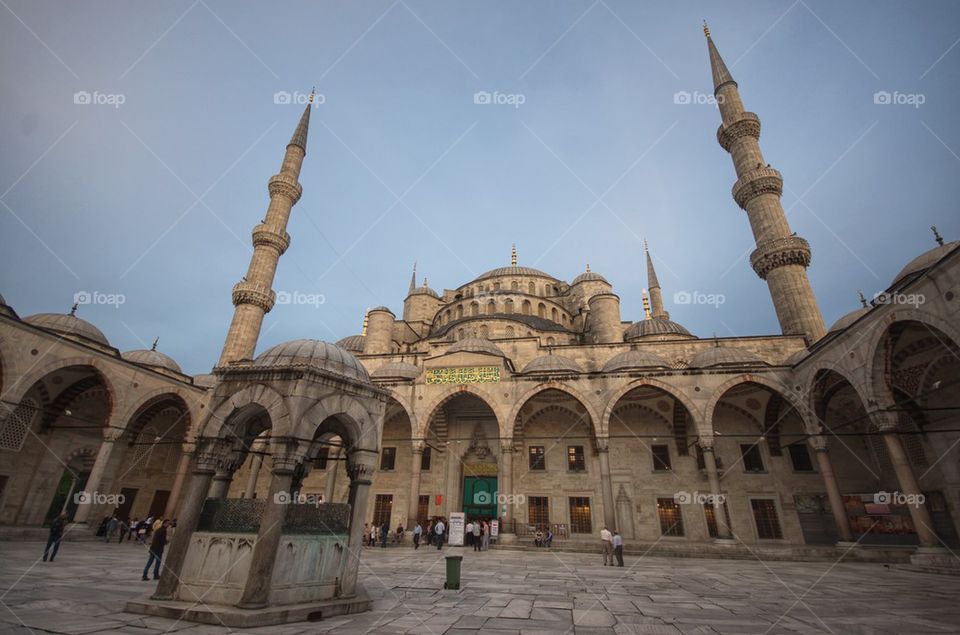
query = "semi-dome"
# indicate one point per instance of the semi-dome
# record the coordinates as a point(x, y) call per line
point(69, 325)
point(514, 271)
point(634, 359)
point(352, 343)
point(397, 370)
point(849, 319)
point(552, 364)
point(314, 354)
point(723, 356)
point(589, 276)
point(475, 345)
point(655, 326)
point(152, 358)
point(923, 262)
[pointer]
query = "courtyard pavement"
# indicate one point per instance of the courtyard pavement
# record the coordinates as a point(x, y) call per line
point(503, 591)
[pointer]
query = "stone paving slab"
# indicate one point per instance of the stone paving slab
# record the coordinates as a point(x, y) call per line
point(85, 591)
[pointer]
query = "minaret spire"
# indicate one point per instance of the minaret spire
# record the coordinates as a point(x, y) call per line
point(781, 257)
point(656, 296)
point(253, 296)
point(413, 279)
point(513, 255)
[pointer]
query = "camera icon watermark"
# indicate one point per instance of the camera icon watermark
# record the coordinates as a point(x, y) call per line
point(907, 299)
point(896, 98)
point(96, 98)
point(696, 98)
point(96, 297)
point(489, 498)
point(297, 98)
point(496, 98)
point(299, 297)
point(298, 498)
point(899, 498)
point(698, 297)
point(698, 498)
point(98, 498)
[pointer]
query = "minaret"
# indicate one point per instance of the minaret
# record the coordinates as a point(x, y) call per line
point(656, 298)
point(253, 296)
point(781, 257)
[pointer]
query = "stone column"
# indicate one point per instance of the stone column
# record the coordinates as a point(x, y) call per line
point(506, 471)
point(256, 592)
point(221, 484)
point(886, 424)
point(92, 487)
point(209, 454)
point(719, 501)
point(360, 467)
point(183, 468)
point(606, 487)
point(819, 443)
point(333, 468)
point(256, 462)
point(414, 505)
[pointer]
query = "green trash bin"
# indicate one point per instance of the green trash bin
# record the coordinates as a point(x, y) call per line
point(453, 572)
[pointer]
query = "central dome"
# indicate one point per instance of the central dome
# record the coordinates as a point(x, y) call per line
point(314, 354)
point(514, 271)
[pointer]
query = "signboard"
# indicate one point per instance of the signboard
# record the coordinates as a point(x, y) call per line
point(494, 528)
point(455, 529)
point(469, 375)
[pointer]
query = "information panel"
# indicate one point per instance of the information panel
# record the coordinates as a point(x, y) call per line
point(455, 529)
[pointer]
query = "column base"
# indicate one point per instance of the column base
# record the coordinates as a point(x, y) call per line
point(725, 542)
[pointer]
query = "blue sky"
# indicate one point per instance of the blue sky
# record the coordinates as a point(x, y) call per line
point(154, 198)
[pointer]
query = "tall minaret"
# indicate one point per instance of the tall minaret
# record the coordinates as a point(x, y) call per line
point(781, 257)
point(253, 296)
point(656, 297)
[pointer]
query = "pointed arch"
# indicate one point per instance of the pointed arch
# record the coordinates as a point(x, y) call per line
point(543, 387)
point(793, 400)
point(692, 411)
point(450, 393)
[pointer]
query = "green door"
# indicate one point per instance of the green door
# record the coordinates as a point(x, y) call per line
point(480, 496)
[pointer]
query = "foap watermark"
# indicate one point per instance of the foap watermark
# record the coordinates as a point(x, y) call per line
point(98, 498)
point(696, 98)
point(899, 498)
point(96, 98)
point(297, 98)
point(907, 299)
point(298, 498)
point(496, 98)
point(489, 498)
point(698, 297)
point(299, 297)
point(97, 297)
point(896, 98)
point(698, 498)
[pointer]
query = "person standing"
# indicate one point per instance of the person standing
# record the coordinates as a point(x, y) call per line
point(476, 536)
point(417, 530)
point(618, 548)
point(485, 528)
point(438, 530)
point(112, 525)
point(606, 544)
point(468, 534)
point(56, 533)
point(157, 543)
point(384, 532)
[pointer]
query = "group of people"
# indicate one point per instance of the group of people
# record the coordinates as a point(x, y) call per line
point(543, 537)
point(612, 546)
point(372, 533)
point(133, 528)
point(436, 532)
point(477, 535)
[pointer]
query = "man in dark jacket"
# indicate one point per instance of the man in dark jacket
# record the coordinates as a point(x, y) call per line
point(157, 543)
point(56, 533)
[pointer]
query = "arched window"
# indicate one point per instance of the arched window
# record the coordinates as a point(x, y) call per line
point(550, 341)
point(496, 286)
point(460, 334)
point(14, 430)
point(491, 307)
point(526, 307)
point(509, 331)
point(483, 331)
point(508, 306)
point(459, 311)
point(542, 310)
point(532, 287)
point(514, 286)
point(554, 315)
point(474, 308)
point(564, 318)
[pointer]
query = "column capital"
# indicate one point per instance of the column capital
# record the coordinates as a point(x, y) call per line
point(361, 464)
point(705, 443)
point(819, 442)
point(885, 420)
point(112, 434)
point(210, 455)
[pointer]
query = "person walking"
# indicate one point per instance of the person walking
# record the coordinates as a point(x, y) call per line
point(430, 533)
point(56, 533)
point(606, 544)
point(485, 528)
point(438, 530)
point(417, 530)
point(112, 526)
point(468, 534)
point(157, 543)
point(372, 541)
point(476, 536)
point(384, 532)
point(618, 548)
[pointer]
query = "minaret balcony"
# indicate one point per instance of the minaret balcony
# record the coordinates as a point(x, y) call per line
point(763, 180)
point(245, 292)
point(285, 185)
point(770, 254)
point(264, 235)
point(747, 125)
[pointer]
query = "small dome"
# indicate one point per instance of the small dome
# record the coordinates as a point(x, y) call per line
point(655, 326)
point(475, 345)
point(380, 308)
point(589, 276)
point(849, 319)
point(923, 262)
point(353, 343)
point(69, 325)
point(635, 359)
point(397, 370)
point(152, 358)
point(424, 291)
point(314, 354)
point(796, 358)
point(552, 364)
point(723, 356)
point(514, 271)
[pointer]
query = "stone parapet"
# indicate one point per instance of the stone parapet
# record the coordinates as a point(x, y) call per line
point(770, 254)
point(748, 125)
point(285, 185)
point(251, 293)
point(755, 183)
point(264, 235)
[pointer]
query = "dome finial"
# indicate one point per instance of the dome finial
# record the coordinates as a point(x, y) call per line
point(513, 255)
point(936, 235)
point(646, 304)
point(366, 320)
point(863, 300)
point(588, 267)
point(155, 342)
point(706, 29)
point(425, 285)
point(73, 309)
